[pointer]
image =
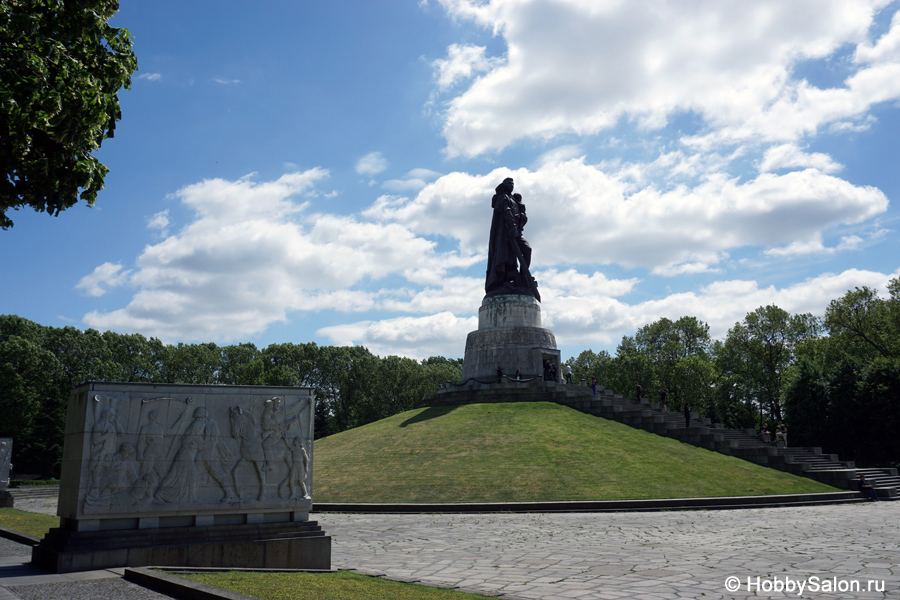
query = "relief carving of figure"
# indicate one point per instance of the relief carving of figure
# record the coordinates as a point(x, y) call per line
point(243, 428)
point(275, 428)
point(201, 446)
point(299, 470)
point(5, 449)
point(269, 446)
point(509, 254)
point(151, 450)
point(104, 445)
point(5, 452)
point(120, 475)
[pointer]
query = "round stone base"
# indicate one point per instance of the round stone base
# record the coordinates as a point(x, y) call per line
point(509, 335)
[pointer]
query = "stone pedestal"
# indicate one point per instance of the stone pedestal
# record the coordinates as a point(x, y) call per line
point(186, 475)
point(509, 335)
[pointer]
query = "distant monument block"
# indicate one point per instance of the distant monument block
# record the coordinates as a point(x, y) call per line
point(186, 475)
point(6, 499)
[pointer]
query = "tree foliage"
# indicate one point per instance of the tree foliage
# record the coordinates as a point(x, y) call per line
point(843, 393)
point(63, 66)
point(39, 365)
point(758, 351)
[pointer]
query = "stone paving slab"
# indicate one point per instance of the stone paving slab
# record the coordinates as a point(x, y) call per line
point(9, 549)
point(590, 556)
point(636, 555)
point(113, 588)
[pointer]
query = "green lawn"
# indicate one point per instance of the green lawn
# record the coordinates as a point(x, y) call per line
point(27, 522)
point(341, 585)
point(527, 451)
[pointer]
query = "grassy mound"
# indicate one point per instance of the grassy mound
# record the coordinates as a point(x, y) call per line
point(528, 451)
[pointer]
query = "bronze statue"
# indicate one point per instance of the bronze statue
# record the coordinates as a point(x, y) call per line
point(509, 255)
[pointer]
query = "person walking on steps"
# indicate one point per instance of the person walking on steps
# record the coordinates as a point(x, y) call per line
point(687, 415)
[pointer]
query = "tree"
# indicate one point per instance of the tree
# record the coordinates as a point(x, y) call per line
point(290, 364)
point(190, 363)
point(869, 325)
point(590, 365)
point(679, 351)
point(759, 350)
point(32, 406)
point(630, 365)
point(806, 400)
point(132, 357)
point(240, 364)
point(63, 66)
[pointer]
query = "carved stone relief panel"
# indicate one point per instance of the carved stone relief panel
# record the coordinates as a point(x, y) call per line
point(6, 445)
point(146, 449)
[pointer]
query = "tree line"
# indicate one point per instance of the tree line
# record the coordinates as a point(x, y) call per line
point(833, 380)
point(39, 365)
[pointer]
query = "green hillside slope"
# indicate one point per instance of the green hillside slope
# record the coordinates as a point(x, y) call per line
point(528, 451)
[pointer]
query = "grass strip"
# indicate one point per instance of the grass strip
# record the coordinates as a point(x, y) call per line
point(340, 585)
point(27, 522)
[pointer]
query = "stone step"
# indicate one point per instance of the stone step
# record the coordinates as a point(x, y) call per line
point(36, 491)
point(745, 444)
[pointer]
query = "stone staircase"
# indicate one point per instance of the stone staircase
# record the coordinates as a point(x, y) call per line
point(643, 414)
point(35, 491)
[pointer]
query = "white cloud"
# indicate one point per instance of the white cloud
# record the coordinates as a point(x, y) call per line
point(586, 316)
point(580, 214)
point(579, 67)
point(815, 245)
point(107, 275)
point(790, 156)
point(462, 62)
point(257, 253)
point(886, 49)
point(225, 81)
point(372, 163)
point(413, 181)
point(159, 221)
point(404, 185)
point(150, 76)
point(253, 254)
point(416, 337)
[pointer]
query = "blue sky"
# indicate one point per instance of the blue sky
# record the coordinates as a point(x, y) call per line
point(322, 171)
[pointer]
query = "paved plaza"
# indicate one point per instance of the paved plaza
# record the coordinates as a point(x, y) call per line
point(688, 554)
point(684, 554)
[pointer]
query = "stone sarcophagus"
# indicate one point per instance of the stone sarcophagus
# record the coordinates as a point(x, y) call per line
point(186, 475)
